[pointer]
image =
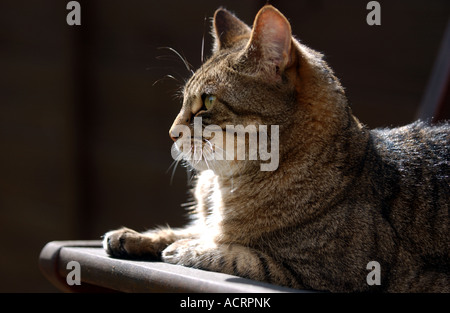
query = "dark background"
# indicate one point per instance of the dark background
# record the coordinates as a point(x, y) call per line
point(84, 145)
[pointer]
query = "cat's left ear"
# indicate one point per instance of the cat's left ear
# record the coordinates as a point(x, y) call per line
point(227, 29)
point(271, 39)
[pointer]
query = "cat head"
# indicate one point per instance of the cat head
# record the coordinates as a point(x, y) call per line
point(257, 78)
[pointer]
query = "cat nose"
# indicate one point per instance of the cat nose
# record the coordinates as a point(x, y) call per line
point(184, 118)
point(173, 133)
point(173, 136)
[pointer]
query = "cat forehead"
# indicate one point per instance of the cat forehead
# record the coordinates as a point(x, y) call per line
point(218, 70)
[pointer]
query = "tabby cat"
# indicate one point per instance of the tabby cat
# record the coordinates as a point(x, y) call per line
point(342, 195)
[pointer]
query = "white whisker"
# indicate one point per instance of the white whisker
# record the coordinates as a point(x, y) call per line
point(203, 42)
point(168, 76)
point(186, 63)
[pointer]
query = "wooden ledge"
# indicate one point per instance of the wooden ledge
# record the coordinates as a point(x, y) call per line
point(101, 273)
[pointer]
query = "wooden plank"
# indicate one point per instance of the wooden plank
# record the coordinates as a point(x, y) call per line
point(98, 270)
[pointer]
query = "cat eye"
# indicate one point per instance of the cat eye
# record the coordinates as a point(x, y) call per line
point(209, 100)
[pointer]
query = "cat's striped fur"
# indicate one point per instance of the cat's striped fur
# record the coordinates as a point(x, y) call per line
point(342, 196)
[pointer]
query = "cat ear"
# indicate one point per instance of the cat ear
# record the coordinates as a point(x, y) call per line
point(227, 29)
point(271, 39)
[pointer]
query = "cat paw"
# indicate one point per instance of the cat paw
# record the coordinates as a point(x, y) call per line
point(127, 243)
point(188, 252)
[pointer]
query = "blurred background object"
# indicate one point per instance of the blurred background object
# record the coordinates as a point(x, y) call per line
point(85, 110)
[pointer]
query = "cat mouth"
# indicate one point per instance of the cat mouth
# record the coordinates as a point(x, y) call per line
point(201, 150)
point(237, 145)
point(202, 154)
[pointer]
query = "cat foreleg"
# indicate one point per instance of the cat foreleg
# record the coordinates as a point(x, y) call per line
point(127, 243)
point(231, 259)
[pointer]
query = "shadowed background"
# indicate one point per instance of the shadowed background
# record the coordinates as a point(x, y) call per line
point(84, 145)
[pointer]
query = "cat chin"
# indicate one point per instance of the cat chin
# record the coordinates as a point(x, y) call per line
point(199, 165)
point(218, 167)
point(224, 168)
